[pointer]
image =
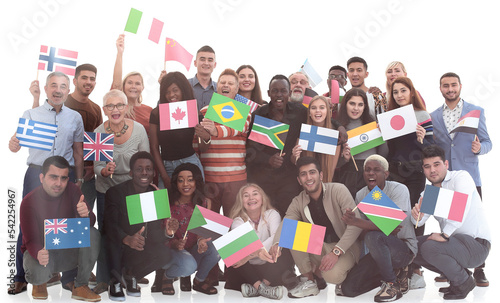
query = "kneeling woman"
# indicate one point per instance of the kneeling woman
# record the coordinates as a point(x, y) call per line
point(252, 275)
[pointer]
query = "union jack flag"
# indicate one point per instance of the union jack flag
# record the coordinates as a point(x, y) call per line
point(253, 105)
point(55, 226)
point(98, 146)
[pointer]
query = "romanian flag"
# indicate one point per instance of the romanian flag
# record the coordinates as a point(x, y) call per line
point(364, 138)
point(308, 95)
point(148, 206)
point(134, 20)
point(57, 59)
point(238, 244)
point(175, 52)
point(228, 112)
point(177, 115)
point(336, 93)
point(208, 224)
point(444, 203)
point(302, 236)
point(381, 210)
point(269, 132)
point(468, 123)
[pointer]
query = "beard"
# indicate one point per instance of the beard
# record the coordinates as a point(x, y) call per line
point(297, 97)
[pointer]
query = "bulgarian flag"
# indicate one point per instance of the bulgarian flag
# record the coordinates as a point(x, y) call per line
point(134, 20)
point(302, 236)
point(177, 115)
point(381, 210)
point(444, 203)
point(364, 138)
point(269, 132)
point(468, 123)
point(336, 93)
point(208, 224)
point(308, 95)
point(148, 206)
point(238, 244)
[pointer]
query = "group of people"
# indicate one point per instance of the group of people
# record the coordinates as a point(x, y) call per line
point(216, 167)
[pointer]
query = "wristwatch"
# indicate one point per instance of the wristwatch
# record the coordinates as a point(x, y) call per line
point(337, 252)
point(80, 180)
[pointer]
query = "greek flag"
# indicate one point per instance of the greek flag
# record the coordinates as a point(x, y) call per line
point(35, 134)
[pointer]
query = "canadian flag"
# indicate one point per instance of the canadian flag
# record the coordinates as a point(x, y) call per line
point(397, 122)
point(177, 115)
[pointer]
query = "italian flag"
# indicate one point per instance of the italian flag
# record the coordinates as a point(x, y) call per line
point(148, 206)
point(238, 244)
point(134, 20)
point(364, 138)
point(468, 123)
point(208, 224)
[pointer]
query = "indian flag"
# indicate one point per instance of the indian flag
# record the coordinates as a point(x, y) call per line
point(238, 244)
point(208, 224)
point(148, 206)
point(364, 138)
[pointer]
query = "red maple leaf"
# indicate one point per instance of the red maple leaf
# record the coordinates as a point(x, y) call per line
point(178, 115)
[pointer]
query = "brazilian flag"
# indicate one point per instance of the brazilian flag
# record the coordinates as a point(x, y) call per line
point(228, 112)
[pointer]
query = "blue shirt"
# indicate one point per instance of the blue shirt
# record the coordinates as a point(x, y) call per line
point(69, 130)
point(202, 95)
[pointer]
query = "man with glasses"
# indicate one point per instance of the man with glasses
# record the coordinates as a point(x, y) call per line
point(299, 82)
point(338, 73)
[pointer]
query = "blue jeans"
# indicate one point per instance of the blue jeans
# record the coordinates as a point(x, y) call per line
point(205, 261)
point(181, 264)
point(171, 165)
point(386, 254)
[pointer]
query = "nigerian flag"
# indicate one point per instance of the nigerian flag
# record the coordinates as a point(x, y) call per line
point(148, 206)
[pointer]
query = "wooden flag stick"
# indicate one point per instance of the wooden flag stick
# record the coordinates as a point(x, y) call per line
point(354, 161)
point(185, 235)
point(277, 253)
point(37, 71)
point(418, 219)
point(281, 152)
point(44, 237)
point(355, 208)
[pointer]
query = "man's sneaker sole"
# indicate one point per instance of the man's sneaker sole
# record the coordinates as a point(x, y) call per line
point(85, 299)
point(133, 294)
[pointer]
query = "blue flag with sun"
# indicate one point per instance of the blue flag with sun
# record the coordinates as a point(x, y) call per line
point(228, 112)
point(381, 210)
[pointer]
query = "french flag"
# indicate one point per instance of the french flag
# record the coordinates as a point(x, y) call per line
point(444, 203)
point(57, 59)
point(468, 123)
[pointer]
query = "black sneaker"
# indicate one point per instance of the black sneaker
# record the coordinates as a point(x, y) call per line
point(388, 292)
point(403, 280)
point(116, 292)
point(480, 278)
point(457, 292)
point(133, 289)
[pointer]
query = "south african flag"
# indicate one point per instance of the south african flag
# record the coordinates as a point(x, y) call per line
point(269, 132)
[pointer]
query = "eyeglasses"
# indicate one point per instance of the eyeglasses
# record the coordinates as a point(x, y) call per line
point(338, 77)
point(302, 82)
point(119, 106)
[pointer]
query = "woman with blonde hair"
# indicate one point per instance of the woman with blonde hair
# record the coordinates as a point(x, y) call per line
point(394, 70)
point(258, 274)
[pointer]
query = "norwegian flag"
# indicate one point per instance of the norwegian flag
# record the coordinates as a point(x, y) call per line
point(253, 105)
point(98, 146)
point(57, 59)
point(55, 226)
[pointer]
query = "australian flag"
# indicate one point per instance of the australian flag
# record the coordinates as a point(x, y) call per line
point(67, 233)
point(98, 146)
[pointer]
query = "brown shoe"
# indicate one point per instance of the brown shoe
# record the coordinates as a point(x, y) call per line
point(85, 294)
point(143, 281)
point(18, 288)
point(40, 292)
point(69, 286)
point(92, 279)
point(56, 279)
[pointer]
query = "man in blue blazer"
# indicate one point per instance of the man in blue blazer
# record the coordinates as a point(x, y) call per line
point(462, 149)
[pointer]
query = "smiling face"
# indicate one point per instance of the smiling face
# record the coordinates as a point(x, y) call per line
point(142, 174)
point(115, 115)
point(435, 170)
point(394, 72)
point(205, 63)
point(246, 79)
point(298, 85)
point(357, 74)
point(318, 111)
point(133, 87)
point(279, 92)
point(227, 86)
point(174, 93)
point(85, 82)
point(401, 94)
point(355, 107)
point(54, 182)
point(374, 174)
point(450, 89)
point(186, 183)
point(252, 200)
point(57, 90)
point(310, 179)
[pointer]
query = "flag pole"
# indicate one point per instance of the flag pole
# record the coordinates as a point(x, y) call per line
point(185, 235)
point(418, 219)
point(44, 235)
point(354, 208)
point(354, 161)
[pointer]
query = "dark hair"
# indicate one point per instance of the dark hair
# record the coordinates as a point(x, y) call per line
point(432, 151)
point(303, 161)
point(206, 49)
point(256, 95)
point(140, 155)
point(181, 81)
point(280, 77)
point(357, 59)
point(415, 100)
point(343, 117)
point(57, 161)
point(86, 66)
point(198, 178)
point(450, 75)
point(338, 67)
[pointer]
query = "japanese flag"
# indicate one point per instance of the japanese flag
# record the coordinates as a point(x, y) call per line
point(397, 122)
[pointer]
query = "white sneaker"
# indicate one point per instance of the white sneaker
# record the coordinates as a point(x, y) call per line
point(417, 281)
point(304, 289)
point(248, 291)
point(271, 292)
